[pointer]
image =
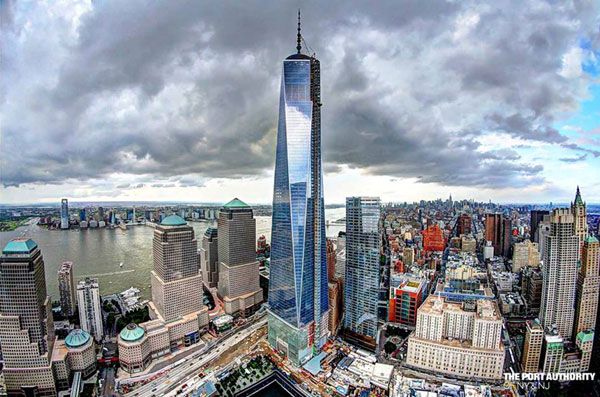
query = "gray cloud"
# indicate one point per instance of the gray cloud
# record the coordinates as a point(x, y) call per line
point(179, 92)
point(577, 159)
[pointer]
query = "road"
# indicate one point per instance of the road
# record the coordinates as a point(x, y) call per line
point(108, 389)
point(189, 368)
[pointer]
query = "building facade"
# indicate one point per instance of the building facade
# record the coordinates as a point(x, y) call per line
point(498, 231)
point(361, 284)
point(578, 208)
point(209, 257)
point(298, 302)
point(588, 286)
point(239, 285)
point(26, 326)
point(461, 340)
point(560, 273)
point(66, 289)
point(536, 217)
point(532, 348)
point(525, 253)
point(64, 214)
point(90, 312)
point(405, 299)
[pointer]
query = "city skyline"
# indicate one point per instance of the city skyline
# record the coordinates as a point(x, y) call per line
point(397, 77)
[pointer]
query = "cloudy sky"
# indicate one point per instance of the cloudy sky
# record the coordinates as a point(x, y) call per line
point(177, 100)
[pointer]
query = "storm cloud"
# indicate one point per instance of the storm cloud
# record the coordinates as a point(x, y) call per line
point(181, 92)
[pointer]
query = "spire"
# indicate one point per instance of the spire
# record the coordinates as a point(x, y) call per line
point(578, 200)
point(299, 43)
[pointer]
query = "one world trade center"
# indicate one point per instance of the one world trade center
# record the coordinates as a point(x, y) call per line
point(298, 301)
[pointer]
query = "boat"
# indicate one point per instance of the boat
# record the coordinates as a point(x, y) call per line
point(121, 264)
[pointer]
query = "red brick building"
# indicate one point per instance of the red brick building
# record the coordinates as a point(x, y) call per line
point(405, 299)
point(433, 239)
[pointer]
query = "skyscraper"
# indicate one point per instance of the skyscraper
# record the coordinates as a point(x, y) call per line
point(238, 285)
point(561, 254)
point(66, 288)
point(536, 217)
point(176, 280)
point(26, 326)
point(209, 257)
point(298, 279)
point(88, 301)
point(498, 231)
point(588, 286)
point(64, 214)
point(578, 208)
point(361, 287)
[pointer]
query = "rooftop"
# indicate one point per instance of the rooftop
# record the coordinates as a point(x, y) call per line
point(131, 333)
point(77, 338)
point(173, 220)
point(19, 246)
point(236, 203)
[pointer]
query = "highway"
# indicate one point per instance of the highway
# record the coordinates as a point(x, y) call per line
point(188, 369)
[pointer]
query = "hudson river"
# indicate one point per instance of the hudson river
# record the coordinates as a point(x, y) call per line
point(99, 252)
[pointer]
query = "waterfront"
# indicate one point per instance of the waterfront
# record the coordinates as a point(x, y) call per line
point(99, 252)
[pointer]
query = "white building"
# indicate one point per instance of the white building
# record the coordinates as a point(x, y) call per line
point(88, 301)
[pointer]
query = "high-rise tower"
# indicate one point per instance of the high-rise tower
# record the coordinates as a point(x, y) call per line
point(560, 258)
point(66, 287)
point(578, 208)
point(298, 272)
point(26, 327)
point(64, 214)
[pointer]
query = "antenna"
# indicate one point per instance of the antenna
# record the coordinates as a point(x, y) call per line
point(299, 44)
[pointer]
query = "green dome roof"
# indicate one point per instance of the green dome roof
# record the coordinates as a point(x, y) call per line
point(131, 333)
point(19, 246)
point(77, 338)
point(173, 220)
point(236, 203)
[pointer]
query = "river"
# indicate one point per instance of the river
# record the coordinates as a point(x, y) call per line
point(98, 252)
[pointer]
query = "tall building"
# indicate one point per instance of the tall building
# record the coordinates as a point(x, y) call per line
point(26, 326)
point(498, 230)
point(90, 313)
point(177, 312)
point(560, 273)
point(588, 286)
point(536, 217)
point(405, 299)
point(532, 348)
point(463, 224)
point(531, 287)
point(239, 285)
point(176, 281)
point(361, 285)
point(298, 271)
point(66, 289)
point(460, 339)
point(335, 304)
point(525, 253)
point(578, 208)
point(64, 214)
point(209, 257)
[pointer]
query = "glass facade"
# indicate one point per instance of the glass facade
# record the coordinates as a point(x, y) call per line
point(298, 297)
point(363, 245)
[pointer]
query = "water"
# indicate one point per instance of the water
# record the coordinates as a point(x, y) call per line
point(98, 252)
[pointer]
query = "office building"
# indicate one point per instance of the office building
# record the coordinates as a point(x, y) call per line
point(532, 348)
point(330, 260)
point(498, 230)
point(405, 298)
point(26, 325)
point(340, 256)
point(560, 273)
point(433, 239)
point(458, 339)
point(463, 224)
point(588, 286)
point(531, 286)
point(90, 313)
point(553, 349)
point(578, 207)
point(298, 271)
point(239, 285)
point(66, 289)
point(408, 256)
point(537, 216)
point(335, 304)
point(525, 253)
point(468, 243)
point(209, 257)
point(361, 284)
point(64, 214)
point(177, 312)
